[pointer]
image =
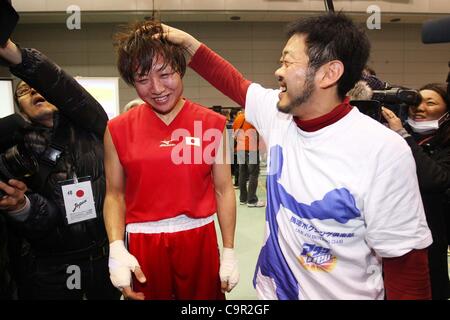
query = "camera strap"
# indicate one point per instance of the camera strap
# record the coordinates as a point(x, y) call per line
point(58, 142)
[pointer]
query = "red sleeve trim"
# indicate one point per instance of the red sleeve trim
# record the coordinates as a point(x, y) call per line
point(407, 277)
point(221, 74)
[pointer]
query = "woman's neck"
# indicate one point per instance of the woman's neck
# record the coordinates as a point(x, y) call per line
point(168, 117)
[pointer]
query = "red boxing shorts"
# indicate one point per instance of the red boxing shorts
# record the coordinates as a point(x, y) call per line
point(181, 265)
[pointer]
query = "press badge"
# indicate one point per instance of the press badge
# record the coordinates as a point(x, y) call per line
point(78, 200)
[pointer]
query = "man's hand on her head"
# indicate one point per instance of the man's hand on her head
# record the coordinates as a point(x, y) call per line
point(180, 37)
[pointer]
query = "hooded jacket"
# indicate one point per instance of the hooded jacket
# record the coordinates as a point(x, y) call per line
point(83, 122)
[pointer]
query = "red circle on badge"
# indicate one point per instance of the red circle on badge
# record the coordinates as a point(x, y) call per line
point(80, 193)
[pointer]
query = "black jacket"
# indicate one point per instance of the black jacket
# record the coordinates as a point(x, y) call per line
point(433, 172)
point(84, 121)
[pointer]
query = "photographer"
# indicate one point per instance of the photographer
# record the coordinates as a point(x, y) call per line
point(65, 137)
point(10, 243)
point(428, 134)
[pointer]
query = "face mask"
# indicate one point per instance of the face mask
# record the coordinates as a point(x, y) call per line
point(422, 127)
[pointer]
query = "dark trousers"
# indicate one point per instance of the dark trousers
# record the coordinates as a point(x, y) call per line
point(61, 279)
point(235, 169)
point(438, 264)
point(248, 171)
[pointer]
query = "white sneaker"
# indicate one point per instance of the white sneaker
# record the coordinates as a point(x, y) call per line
point(258, 204)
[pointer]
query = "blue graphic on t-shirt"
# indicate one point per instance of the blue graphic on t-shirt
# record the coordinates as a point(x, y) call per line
point(337, 204)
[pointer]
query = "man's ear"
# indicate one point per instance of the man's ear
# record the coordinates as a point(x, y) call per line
point(19, 110)
point(330, 73)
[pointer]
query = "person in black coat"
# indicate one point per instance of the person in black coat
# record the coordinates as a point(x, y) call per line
point(68, 254)
point(428, 134)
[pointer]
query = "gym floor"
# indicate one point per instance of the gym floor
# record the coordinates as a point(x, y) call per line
point(248, 240)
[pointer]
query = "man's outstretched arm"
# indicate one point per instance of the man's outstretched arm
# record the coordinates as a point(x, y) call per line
point(212, 67)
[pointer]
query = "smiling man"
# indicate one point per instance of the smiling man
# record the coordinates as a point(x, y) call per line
point(342, 211)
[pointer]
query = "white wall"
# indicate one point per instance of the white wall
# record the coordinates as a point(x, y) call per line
point(397, 53)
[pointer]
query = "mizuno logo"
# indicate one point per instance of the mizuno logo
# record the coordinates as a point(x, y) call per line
point(167, 143)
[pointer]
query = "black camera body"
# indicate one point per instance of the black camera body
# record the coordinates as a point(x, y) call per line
point(409, 97)
point(16, 163)
point(398, 100)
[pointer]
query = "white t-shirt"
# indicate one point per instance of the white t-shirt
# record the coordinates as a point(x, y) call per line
point(338, 200)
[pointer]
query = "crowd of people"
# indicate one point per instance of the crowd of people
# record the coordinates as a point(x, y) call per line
point(130, 201)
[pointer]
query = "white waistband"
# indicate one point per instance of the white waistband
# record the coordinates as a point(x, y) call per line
point(176, 224)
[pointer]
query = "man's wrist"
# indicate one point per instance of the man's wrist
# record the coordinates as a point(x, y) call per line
point(193, 46)
point(20, 206)
point(23, 212)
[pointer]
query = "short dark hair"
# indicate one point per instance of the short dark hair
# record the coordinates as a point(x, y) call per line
point(442, 136)
point(370, 71)
point(137, 48)
point(440, 89)
point(334, 36)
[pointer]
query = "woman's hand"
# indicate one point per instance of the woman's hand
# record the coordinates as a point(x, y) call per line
point(393, 121)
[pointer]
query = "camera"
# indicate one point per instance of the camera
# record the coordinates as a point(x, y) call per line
point(398, 100)
point(398, 96)
point(16, 163)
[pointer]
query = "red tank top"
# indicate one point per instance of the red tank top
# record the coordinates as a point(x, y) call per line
point(168, 168)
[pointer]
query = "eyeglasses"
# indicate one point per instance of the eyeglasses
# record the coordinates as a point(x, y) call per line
point(23, 90)
point(286, 64)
